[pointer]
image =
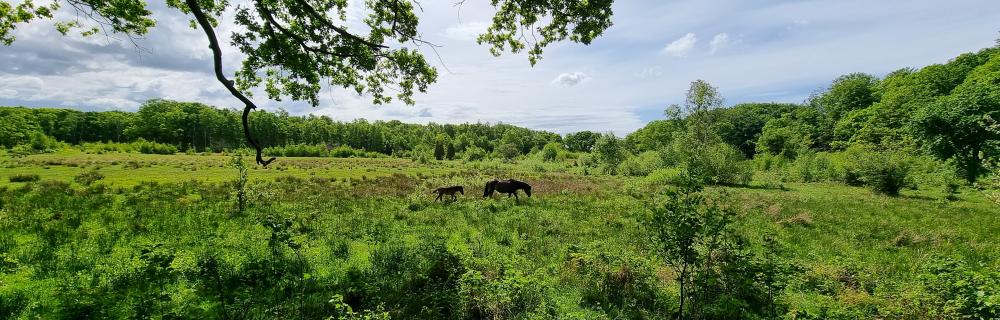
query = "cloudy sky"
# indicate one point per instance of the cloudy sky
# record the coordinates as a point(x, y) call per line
point(753, 50)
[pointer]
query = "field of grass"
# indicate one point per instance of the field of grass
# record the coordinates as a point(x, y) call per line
point(160, 236)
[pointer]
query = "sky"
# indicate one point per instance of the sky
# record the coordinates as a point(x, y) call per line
point(752, 50)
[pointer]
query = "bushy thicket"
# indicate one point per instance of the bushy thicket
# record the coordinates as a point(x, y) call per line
point(641, 164)
point(304, 150)
point(957, 291)
point(139, 146)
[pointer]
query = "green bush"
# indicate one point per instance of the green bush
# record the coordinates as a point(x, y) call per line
point(720, 164)
point(812, 167)
point(990, 185)
point(88, 177)
point(508, 151)
point(653, 182)
point(474, 153)
point(551, 151)
point(959, 292)
point(620, 282)
point(40, 142)
point(642, 164)
point(23, 177)
point(150, 147)
point(885, 172)
point(348, 152)
point(609, 152)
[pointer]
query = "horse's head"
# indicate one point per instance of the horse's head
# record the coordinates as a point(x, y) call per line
point(490, 186)
point(527, 190)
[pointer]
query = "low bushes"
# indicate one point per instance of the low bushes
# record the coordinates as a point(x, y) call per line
point(24, 178)
point(89, 177)
point(642, 164)
point(957, 291)
point(308, 150)
point(990, 185)
point(139, 146)
point(474, 153)
point(885, 172)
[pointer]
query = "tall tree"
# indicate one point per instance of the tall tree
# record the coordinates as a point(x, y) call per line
point(294, 47)
point(847, 93)
point(958, 126)
point(700, 99)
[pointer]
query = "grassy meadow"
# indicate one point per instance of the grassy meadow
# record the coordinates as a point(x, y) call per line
point(161, 236)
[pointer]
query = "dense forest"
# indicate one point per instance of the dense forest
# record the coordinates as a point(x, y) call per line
point(200, 128)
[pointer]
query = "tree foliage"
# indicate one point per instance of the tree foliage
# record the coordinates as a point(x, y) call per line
point(957, 126)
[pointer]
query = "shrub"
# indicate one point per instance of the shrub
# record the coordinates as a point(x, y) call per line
point(991, 186)
point(642, 164)
point(812, 167)
point(885, 172)
point(692, 231)
point(551, 151)
point(474, 154)
point(958, 292)
point(88, 177)
point(729, 166)
point(619, 280)
point(719, 164)
point(24, 177)
point(609, 151)
point(654, 182)
point(150, 147)
point(41, 142)
point(508, 151)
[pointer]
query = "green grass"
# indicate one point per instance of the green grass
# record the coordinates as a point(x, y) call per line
point(368, 229)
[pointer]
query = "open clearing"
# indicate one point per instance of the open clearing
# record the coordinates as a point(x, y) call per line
point(358, 221)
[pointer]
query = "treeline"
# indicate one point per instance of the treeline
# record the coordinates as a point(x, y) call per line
point(947, 111)
point(198, 127)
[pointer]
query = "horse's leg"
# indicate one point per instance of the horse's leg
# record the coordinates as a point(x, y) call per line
point(439, 196)
point(515, 196)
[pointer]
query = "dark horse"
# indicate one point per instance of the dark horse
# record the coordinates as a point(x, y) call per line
point(449, 191)
point(509, 186)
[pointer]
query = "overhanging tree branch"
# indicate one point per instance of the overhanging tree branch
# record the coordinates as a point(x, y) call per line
point(315, 14)
point(213, 43)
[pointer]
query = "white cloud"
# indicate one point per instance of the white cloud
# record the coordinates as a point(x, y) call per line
point(718, 42)
point(682, 46)
point(650, 72)
point(571, 79)
point(466, 31)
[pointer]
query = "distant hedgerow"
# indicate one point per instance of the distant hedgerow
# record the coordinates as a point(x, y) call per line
point(24, 178)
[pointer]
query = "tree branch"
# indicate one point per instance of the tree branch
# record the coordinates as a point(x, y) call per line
point(213, 43)
point(312, 11)
point(302, 42)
